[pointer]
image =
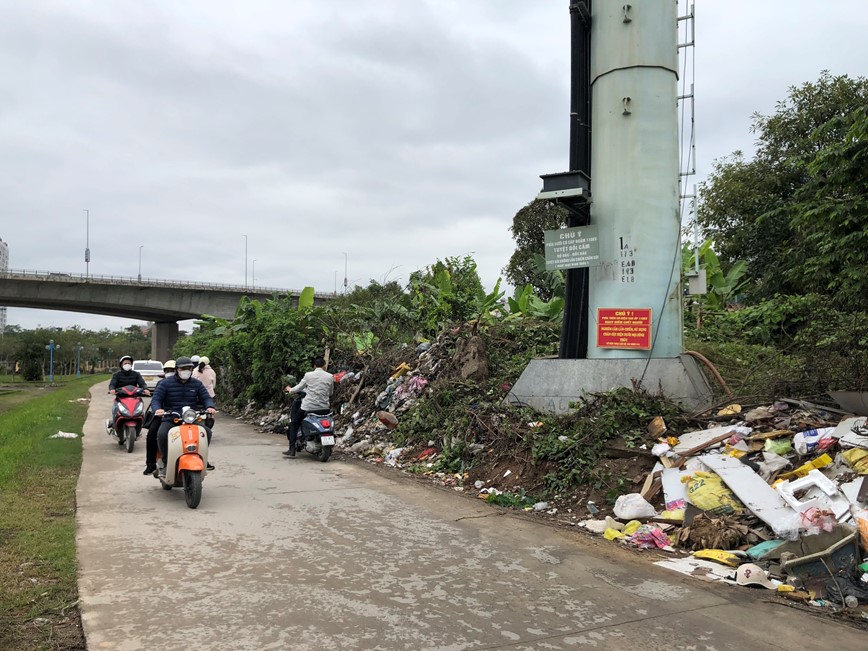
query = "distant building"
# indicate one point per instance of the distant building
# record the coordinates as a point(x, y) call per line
point(4, 266)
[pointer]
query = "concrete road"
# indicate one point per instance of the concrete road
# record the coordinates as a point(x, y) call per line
point(297, 554)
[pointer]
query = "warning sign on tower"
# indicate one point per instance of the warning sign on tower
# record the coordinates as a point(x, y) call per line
point(624, 328)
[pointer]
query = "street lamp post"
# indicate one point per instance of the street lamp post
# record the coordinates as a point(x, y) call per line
point(51, 347)
point(345, 273)
point(78, 348)
point(141, 246)
point(245, 260)
point(253, 275)
point(87, 246)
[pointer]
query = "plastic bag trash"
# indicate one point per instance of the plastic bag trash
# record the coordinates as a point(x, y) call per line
point(660, 449)
point(478, 484)
point(648, 536)
point(633, 506)
point(771, 464)
point(820, 462)
point(393, 456)
point(857, 459)
point(813, 440)
point(778, 446)
point(815, 520)
point(612, 534)
point(64, 435)
point(737, 449)
point(541, 506)
point(706, 491)
point(719, 555)
point(631, 527)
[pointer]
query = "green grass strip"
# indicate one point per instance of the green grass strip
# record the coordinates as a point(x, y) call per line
point(38, 476)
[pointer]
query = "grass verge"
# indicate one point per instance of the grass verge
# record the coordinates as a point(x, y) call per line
point(38, 475)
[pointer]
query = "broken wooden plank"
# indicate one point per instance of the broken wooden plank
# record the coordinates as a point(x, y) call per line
point(655, 487)
point(700, 448)
point(693, 440)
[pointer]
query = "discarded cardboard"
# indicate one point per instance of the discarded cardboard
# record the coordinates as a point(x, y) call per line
point(760, 498)
point(698, 568)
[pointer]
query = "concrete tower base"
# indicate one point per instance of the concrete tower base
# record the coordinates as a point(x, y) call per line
point(549, 385)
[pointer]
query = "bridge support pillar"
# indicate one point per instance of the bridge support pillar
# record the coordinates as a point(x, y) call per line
point(163, 339)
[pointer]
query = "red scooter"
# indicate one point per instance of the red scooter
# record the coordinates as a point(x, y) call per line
point(127, 416)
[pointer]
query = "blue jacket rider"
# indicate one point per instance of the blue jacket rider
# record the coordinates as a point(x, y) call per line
point(173, 394)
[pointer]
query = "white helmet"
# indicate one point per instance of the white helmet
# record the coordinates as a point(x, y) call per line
point(752, 574)
point(195, 359)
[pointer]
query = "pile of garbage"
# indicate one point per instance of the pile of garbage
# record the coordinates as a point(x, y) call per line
point(773, 497)
point(777, 498)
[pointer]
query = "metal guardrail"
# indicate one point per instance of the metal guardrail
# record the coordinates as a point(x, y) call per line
point(52, 276)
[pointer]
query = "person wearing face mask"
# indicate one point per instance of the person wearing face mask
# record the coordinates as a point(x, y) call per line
point(176, 392)
point(124, 378)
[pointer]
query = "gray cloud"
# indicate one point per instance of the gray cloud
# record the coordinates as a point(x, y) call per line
point(395, 131)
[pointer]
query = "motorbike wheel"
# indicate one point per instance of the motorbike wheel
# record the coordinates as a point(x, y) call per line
point(192, 488)
point(325, 451)
point(130, 437)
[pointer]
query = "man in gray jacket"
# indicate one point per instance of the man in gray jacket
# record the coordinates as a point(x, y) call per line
point(317, 386)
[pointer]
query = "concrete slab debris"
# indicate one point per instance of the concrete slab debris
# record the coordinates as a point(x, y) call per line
point(760, 498)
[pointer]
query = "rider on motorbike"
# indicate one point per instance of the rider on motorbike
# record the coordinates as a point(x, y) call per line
point(173, 394)
point(126, 377)
point(318, 386)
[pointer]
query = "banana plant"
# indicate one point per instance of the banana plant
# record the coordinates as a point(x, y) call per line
point(527, 304)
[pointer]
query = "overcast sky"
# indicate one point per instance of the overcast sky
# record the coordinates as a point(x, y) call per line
point(396, 132)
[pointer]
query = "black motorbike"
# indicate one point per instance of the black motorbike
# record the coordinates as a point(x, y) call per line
point(316, 433)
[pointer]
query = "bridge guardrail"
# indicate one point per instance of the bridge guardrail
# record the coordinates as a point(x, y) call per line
point(53, 276)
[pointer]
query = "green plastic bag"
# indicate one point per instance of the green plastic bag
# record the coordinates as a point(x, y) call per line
point(779, 446)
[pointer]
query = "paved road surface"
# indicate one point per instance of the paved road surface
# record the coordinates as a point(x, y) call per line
point(297, 554)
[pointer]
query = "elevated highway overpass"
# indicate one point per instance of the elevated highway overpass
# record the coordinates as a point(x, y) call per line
point(163, 302)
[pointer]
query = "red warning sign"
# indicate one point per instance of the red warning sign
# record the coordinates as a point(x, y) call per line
point(624, 328)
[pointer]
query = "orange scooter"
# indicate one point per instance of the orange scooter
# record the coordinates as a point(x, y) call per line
point(186, 460)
